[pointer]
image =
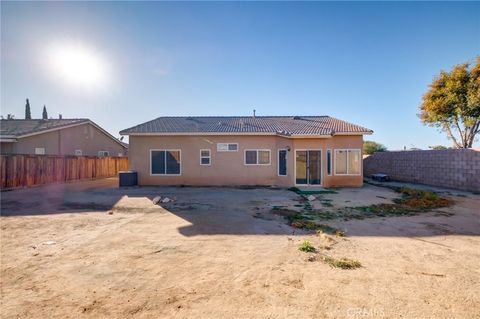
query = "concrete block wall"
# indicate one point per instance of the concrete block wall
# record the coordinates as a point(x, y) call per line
point(456, 168)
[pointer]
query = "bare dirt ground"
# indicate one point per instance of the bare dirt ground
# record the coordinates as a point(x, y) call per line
point(222, 253)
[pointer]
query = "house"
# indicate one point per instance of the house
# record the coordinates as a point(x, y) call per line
point(259, 150)
point(58, 137)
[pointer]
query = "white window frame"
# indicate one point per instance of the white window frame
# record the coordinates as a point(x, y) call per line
point(329, 151)
point(103, 153)
point(78, 153)
point(39, 150)
point(227, 150)
point(278, 162)
point(202, 157)
point(257, 150)
point(347, 149)
point(295, 166)
point(163, 149)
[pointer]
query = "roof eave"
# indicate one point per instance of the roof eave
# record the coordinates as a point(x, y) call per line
point(354, 133)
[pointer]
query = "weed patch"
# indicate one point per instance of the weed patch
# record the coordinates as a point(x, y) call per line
point(306, 247)
point(412, 202)
point(343, 263)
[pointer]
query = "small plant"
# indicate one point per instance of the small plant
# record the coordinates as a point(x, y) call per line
point(339, 233)
point(343, 263)
point(306, 247)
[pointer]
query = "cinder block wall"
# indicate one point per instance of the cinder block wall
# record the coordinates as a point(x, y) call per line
point(459, 169)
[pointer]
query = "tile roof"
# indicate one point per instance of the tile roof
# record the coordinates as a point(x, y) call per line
point(23, 127)
point(280, 125)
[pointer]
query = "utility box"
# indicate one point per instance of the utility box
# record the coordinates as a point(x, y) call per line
point(127, 178)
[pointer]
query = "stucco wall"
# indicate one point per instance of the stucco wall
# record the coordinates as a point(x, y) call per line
point(227, 168)
point(89, 139)
point(6, 147)
point(48, 140)
point(84, 137)
point(458, 169)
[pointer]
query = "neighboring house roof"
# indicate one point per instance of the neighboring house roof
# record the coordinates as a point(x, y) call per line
point(248, 125)
point(12, 129)
point(18, 128)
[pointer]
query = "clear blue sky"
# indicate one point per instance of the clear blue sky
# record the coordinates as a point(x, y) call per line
point(368, 63)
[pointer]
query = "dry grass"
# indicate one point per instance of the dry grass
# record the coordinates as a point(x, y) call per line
point(343, 263)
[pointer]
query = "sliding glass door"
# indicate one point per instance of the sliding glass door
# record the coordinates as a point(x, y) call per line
point(308, 167)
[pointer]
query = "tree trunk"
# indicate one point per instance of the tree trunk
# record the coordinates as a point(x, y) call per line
point(450, 135)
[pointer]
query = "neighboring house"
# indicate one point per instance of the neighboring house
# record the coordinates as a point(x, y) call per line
point(58, 137)
point(271, 150)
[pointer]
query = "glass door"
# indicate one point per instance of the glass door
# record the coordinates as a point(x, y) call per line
point(308, 167)
point(314, 167)
point(301, 168)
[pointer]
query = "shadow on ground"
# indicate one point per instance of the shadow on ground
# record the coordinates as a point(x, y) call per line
point(215, 210)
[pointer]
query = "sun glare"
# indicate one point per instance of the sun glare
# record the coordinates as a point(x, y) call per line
point(78, 66)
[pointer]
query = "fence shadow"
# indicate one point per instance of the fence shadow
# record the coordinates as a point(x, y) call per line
point(224, 211)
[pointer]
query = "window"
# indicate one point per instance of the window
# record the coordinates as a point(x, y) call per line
point(227, 147)
point(282, 162)
point(39, 150)
point(257, 157)
point(103, 153)
point(165, 162)
point(78, 152)
point(329, 162)
point(205, 157)
point(347, 162)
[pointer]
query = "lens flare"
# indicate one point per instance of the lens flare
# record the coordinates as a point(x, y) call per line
point(78, 65)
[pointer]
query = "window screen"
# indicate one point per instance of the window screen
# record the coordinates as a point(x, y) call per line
point(257, 157)
point(165, 162)
point(251, 157)
point(264, 157)
point(354, 162)
point(340, 162)
point(347, 162)
point(282, 162)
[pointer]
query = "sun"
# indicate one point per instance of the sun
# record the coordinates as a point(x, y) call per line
point(78, 65)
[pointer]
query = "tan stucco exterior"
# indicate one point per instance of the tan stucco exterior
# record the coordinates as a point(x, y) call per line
point(85, 137)
point(228, 168)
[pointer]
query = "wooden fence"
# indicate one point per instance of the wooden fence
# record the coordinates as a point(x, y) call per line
point(30, 170)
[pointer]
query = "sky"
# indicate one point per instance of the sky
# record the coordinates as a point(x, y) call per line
point(364, 62)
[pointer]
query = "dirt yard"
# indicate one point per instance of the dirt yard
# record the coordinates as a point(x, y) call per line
point(91, 250)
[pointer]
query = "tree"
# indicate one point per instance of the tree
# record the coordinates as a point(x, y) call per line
point(44, 113)
point(9, 117)
point(370, 147)
point(452, 104)
point(28, 114)
point(438, 147)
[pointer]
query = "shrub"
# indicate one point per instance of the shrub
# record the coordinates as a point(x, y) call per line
point(306, 247)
